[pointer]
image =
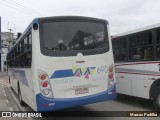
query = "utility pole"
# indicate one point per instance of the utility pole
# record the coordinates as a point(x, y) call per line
point(10, 30)
point(1, 52)
point(11, 37)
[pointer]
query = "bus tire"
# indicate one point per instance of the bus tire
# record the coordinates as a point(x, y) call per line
point(9, 81)
point(156, 99)
point(22, 103)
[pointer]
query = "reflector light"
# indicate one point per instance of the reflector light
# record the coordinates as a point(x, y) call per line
point(46, 105)
point(111, 82)
point(46, 91)
point(45, 84)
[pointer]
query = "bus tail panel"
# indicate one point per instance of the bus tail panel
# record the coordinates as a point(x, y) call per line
point(49, 104)
point(76, 80)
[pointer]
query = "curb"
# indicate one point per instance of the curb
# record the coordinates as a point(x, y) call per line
point(16, 101)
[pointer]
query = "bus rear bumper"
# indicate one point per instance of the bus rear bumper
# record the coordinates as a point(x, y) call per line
point(51, 104)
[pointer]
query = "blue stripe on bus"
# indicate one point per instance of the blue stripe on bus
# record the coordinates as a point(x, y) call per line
point(20, 75)
point(71, 102)
point(62, 73)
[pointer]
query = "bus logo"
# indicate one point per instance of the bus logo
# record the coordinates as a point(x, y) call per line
point(86, 72)
point(75, 71)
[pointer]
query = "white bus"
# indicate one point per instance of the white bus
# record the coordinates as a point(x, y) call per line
point(137, 58)
point(61, 62)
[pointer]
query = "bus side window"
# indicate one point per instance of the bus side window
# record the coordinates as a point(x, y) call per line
point(147, 53)
point(119, 47)
point(25, 44)
point(30, 41)
point(135, 53)
point(141, 51)
point(28, 58)
point(158, 52)
point(158, 43)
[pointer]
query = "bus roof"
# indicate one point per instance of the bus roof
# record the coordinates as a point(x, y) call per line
point(137, 30)
point(72, 18)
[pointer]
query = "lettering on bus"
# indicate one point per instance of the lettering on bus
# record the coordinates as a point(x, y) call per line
point(63, 81)
point(102, 69)
point(100, 79)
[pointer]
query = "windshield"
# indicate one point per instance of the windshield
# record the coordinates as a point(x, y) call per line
point(66, 36)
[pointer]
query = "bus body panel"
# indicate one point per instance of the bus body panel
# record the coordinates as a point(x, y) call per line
point(123, 84)
point(139, 77)
point(22, 77)
point(142, 88)
point(46, 104)
point(92, 74)
point(13, 81)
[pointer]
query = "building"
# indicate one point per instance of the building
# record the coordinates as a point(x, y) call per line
point(7, 41)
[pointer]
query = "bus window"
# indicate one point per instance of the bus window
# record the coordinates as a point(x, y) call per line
point(149, 38)
point(135, 54)
point(158, 35)
point(158, 52)
point(30, 41)
point(134, 40)
point(147, 52)
point(21, 59)
point(22, 46)
point(138, 50)
point(119, 46)
point(25, 43)
point(146, 38)
point(81, 35)
point(27, 58)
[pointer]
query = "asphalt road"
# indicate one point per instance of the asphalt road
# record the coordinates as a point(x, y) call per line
point(122, 103)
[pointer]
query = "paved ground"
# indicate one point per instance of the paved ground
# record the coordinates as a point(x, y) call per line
point(6, 102)
point(123, 103)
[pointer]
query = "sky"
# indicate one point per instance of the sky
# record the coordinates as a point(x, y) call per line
point(122, 15)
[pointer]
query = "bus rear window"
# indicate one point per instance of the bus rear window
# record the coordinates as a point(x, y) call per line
point(67, 36)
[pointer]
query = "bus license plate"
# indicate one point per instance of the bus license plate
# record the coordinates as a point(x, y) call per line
point(81, 91)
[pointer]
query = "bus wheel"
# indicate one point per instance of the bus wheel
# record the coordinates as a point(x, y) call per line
point(22, 103)
point(9, 80)
point(156, 99)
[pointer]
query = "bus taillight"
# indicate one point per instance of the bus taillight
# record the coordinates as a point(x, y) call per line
point(44, 84)
point(111, 69)
point(111, 76)
point(43, 76)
